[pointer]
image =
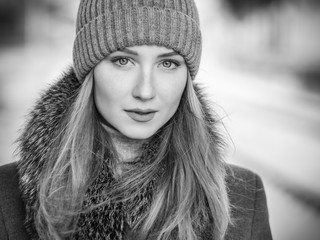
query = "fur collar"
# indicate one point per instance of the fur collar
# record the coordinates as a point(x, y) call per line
point(41, 127)
point(37, 136)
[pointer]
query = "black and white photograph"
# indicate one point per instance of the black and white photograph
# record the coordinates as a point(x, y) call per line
point(159, 120)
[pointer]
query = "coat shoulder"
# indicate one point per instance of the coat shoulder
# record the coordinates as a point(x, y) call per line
point(9, 180)
point(243, 184)
point(248, 202)
point(239, 174)
point(12, 209)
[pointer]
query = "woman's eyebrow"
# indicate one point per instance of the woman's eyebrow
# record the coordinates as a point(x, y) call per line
point(126, 50)
point(169, 54)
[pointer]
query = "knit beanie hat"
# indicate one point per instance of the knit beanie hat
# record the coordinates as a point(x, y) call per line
point(106, 26)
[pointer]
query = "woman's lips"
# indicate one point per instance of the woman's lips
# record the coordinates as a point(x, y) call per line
point(140, 115)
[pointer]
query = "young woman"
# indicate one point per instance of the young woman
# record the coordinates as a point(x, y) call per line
point(124, 145)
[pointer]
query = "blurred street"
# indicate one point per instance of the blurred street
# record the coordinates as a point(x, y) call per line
point(269, 100)
point(270, 109)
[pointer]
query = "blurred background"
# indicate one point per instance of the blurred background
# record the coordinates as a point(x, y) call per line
point(261, 69)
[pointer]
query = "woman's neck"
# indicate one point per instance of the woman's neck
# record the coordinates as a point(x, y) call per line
point(128, 149)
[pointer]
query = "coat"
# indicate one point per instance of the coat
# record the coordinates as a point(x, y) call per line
point(19, 181)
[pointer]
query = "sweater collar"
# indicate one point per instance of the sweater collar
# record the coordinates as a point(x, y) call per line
point(128, 149)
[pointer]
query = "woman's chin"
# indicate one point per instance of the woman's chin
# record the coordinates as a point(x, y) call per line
point(138, 134)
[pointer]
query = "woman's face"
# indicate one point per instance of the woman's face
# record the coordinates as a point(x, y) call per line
point(137, 90)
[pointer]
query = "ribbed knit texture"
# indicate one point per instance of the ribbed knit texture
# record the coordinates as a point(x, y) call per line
point(105, 26)
point(128, 149)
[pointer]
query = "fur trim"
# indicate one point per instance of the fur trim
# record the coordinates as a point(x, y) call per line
point(41, 129)
point(37, 136)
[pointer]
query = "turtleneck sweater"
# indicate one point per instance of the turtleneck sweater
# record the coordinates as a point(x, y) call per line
point(127, 149)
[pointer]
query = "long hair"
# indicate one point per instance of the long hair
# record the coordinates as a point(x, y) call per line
point(191, 196)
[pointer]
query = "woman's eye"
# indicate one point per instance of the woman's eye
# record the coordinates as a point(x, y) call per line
point(121, 61)
point(169, 64)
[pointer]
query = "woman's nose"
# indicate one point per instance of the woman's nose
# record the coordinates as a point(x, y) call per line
point(144, 88)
